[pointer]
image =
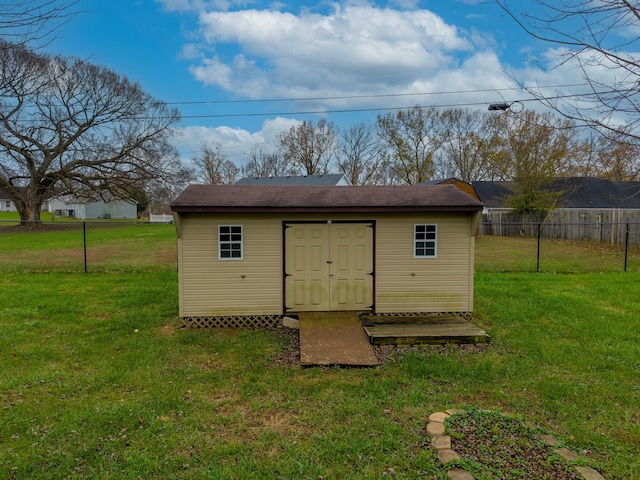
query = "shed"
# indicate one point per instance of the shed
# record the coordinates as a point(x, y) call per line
point(248, 255)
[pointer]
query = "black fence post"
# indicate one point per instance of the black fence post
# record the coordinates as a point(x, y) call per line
point(84, 238)
point(538, 255)
point(626, 247)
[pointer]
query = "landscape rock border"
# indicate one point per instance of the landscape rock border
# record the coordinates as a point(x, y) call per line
point(442, 444)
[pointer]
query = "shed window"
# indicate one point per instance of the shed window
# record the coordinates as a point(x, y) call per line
point(230, 242)
point(425, 240)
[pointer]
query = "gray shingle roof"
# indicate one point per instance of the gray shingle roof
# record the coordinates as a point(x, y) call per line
point(577, 192)
point(318, 180)
point(297, 199)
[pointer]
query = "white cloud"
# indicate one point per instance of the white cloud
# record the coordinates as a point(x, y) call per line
point(236, 142)
point(363, 49)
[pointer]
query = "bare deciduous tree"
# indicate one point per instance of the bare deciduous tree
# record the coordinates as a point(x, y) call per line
point(466, 142)
point(600, 39)
point(411, 139)
point(360, 158)
point(68, 126)
point(310, 148)
point(264, 164)
point(213, 167)
point(25, 22)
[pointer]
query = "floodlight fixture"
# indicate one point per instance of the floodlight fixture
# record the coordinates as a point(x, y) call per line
point(515, 107)
point(499, 106)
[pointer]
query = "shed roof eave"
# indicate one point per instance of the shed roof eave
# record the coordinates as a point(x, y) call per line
point(325, 210)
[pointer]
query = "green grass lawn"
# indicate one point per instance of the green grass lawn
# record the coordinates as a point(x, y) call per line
point(110, 247)
point(97, 382)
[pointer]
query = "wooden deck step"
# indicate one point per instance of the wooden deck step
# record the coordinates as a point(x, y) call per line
point(456, 331)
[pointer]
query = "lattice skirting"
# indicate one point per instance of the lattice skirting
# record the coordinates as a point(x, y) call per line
point(232, 321)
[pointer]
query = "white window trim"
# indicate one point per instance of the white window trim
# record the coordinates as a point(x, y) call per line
point(435, 241)
point(220, 257)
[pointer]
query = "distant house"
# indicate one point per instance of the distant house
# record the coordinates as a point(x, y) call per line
point(587, 208)
point(328, 180)
point(6, 204)
point(253, 253)
point(84, 208)
point(577, 193)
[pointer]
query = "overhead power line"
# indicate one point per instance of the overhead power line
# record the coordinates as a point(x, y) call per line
point(355, 97)
point(381, 109)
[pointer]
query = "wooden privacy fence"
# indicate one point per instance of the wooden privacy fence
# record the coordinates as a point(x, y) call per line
point(611, 226)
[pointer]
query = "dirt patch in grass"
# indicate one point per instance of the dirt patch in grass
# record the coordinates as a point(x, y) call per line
point(168, 329)
point(497, 446)
point(289, 353)
point(289, 341)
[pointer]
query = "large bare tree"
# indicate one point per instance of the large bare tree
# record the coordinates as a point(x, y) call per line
point(600, 39)
point(33, 22)
point(360, 158)
point(213, 167)
point(68, 126)
point(310, 148)
point(411, 139)
point(263, 163)
point(465, 152)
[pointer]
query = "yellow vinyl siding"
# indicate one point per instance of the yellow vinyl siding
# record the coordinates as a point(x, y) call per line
point(254, 285)
point(212, 287)
point(408, 284)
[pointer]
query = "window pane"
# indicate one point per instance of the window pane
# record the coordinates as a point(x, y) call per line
point(425, 238)
point(230, 241)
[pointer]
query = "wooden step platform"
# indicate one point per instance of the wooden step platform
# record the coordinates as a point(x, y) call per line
point(430, 330)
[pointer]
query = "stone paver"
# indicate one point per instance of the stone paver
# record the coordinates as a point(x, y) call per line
point(454, 411)
point(589, 473)
point(435, 428)
point(439, 417)
point(445, 456)
point(459, 474)
point(550, 440)
point(567, 454)
point(442, 444)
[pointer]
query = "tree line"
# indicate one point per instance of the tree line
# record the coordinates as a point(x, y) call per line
point(426, 143)
point(68, 126)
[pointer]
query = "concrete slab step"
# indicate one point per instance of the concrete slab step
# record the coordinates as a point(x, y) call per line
point(334, 338)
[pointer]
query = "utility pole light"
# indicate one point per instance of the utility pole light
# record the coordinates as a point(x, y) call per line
point(499, 106)
point(515, 107)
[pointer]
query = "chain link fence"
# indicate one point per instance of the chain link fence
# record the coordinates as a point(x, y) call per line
point(77, 246)
point(558, 247)
point(112, 246)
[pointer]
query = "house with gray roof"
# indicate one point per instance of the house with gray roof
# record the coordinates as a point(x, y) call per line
point(327, 180)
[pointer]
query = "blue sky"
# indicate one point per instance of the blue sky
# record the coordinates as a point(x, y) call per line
point(241, 71)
